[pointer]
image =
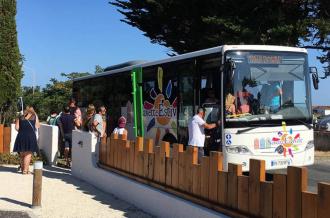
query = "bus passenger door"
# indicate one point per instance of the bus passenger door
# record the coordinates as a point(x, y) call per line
point(209, 97)
point(186, 71)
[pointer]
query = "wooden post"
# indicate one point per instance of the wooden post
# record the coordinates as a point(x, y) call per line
point(234, 170)
point(309, 205)
point(266, 199)
point(164, 153)
point(243, 193)
point(197, 179)
point(257, 175)
point(138, 162)
point(6, 140)
point(190, 159)
point(177, 148)
point(215, 166)
point(1, 138)
point(222, 187)
point(205, 172)
point(279, 195)
point(148, 148)
point(323, 199)
point(296, 183)
point(37, 184)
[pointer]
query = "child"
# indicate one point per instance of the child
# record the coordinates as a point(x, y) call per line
point(120, 130)
point(230, 106)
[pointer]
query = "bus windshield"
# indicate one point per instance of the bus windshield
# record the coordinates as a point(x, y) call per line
point(266, 86)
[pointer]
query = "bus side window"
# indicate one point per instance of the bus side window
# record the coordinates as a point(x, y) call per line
point(186, 72)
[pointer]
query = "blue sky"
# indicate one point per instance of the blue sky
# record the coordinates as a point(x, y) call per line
point(74, 36)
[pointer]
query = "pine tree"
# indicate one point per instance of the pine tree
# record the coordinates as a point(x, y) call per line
point(190, 25)
point(10, 60)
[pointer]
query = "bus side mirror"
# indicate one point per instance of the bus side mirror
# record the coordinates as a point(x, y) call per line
point(315, 77)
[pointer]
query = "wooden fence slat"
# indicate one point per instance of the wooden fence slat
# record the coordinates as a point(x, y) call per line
point(323, 199)
point(102, 150)
point(127, 150)
point(138, 162)
point(164, 152)
point(107, 151)
point(115, 152)
point(222, 187)
point(177, 148)
point(112, 149)
point(243, 193)
point(151, 165)
point(205, 172)
point(197, 179)
point(132, 157)
point(234, 170)
point(266, 199)
point(124, 154)
point(148, 148)
point(119, 152)
point(257, 175)
point(1, 137)
point(296, 183)
point(182, 170)
point(156, 164)
point(215, 166)
point(168, 162)
point(309, 205)
point(279, 195)
point(6, 139)
point(190, 159)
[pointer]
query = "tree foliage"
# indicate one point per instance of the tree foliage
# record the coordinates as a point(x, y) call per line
point(10, 60)
point(189, 25)
point(53, 96)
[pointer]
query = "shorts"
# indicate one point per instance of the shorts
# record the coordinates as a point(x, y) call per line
point(68, 140)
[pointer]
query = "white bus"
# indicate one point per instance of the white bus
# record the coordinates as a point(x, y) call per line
point(261, 94)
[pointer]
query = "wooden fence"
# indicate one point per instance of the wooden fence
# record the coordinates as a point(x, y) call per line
point(4, 139)
point(177, 171)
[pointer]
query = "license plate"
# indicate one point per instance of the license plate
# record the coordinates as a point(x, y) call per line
point(275, 163)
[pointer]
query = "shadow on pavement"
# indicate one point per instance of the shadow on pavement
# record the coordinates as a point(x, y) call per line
point(16, 202)
point(97, 194)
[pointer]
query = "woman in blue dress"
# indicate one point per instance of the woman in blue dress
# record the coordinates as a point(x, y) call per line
point(26, 140)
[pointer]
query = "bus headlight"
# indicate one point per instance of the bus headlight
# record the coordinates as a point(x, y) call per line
point(238, 149)
point(309, 145)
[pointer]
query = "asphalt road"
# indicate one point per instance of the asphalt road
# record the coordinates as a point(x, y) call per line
point(318, 172)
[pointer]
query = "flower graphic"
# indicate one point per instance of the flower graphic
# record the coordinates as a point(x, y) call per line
point(160, 106)
point(286, 141)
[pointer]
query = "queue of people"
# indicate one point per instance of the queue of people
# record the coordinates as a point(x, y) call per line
point(94, 121)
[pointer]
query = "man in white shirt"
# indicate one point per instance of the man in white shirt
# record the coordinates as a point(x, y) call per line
point(196, 131)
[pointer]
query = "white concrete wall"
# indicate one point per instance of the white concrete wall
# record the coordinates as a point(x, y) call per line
point(48, 141)
point(151, 200)
point(13, 135)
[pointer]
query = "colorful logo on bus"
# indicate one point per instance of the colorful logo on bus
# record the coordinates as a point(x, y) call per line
point(161, 111)
point(285, 142)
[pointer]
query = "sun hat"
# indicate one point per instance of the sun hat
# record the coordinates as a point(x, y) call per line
point(121, 122)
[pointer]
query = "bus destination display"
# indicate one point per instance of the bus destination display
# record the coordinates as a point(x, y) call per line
point(264, 59)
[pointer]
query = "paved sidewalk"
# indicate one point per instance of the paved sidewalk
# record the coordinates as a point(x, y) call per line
point(62, 196)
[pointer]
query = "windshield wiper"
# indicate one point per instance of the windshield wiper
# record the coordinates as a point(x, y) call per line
point(251, 128)
point(309, 126)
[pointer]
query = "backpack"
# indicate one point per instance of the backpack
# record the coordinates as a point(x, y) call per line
point(52, 121)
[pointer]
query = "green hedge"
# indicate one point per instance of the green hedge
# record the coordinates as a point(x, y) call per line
point(13, 158)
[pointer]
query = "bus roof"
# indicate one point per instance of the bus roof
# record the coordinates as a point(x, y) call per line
point(223, 48)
